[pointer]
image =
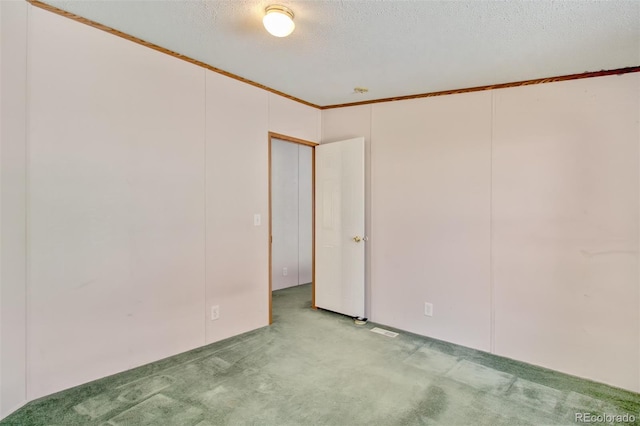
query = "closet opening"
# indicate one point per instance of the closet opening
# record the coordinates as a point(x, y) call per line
point(291, 215)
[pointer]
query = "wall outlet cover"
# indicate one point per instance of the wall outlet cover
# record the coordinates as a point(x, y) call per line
point(428, 309)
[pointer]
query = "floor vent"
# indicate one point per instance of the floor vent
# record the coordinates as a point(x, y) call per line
point(384, 332)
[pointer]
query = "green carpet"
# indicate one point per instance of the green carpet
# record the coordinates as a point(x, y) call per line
point(318, 368)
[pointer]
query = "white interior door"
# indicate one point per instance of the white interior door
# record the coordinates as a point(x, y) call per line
point(340, 238)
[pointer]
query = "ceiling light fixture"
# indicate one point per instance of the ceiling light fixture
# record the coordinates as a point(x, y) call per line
point(278, 20)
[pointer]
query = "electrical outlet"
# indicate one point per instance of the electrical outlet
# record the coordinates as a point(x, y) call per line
point(215, 312)
point(285, 272)
point(428, 309)
point(257, 220)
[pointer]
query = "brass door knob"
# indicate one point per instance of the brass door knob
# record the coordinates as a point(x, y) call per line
point(357, 239)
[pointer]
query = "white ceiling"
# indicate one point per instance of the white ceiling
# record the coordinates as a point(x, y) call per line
point(392, 47)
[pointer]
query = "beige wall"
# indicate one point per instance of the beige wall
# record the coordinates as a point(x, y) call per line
point(13, 151)
point(515, 212)
point(144, 174)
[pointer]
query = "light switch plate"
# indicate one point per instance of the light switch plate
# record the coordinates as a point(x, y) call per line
point(215, 312)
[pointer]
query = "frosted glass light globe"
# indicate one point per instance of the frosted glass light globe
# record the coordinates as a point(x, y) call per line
point(278, 21)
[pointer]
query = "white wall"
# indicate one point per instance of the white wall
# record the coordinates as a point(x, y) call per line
point(1, 287)
point(116, 204)
point(516, 213)
point(294, 119)
point(565, 227)
point(431, 199)
point(144, 173)
point(284, 213)
point(237, 188)
point(291, 202)
point(2, 411)
point(305, 214)
point(13, 149)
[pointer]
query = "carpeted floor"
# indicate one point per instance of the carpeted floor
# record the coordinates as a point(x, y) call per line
point(318, 368)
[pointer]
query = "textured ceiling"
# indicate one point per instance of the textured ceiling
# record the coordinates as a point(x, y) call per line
point(392, 47)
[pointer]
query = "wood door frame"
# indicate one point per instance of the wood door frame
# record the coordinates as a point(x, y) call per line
point(273, 135)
